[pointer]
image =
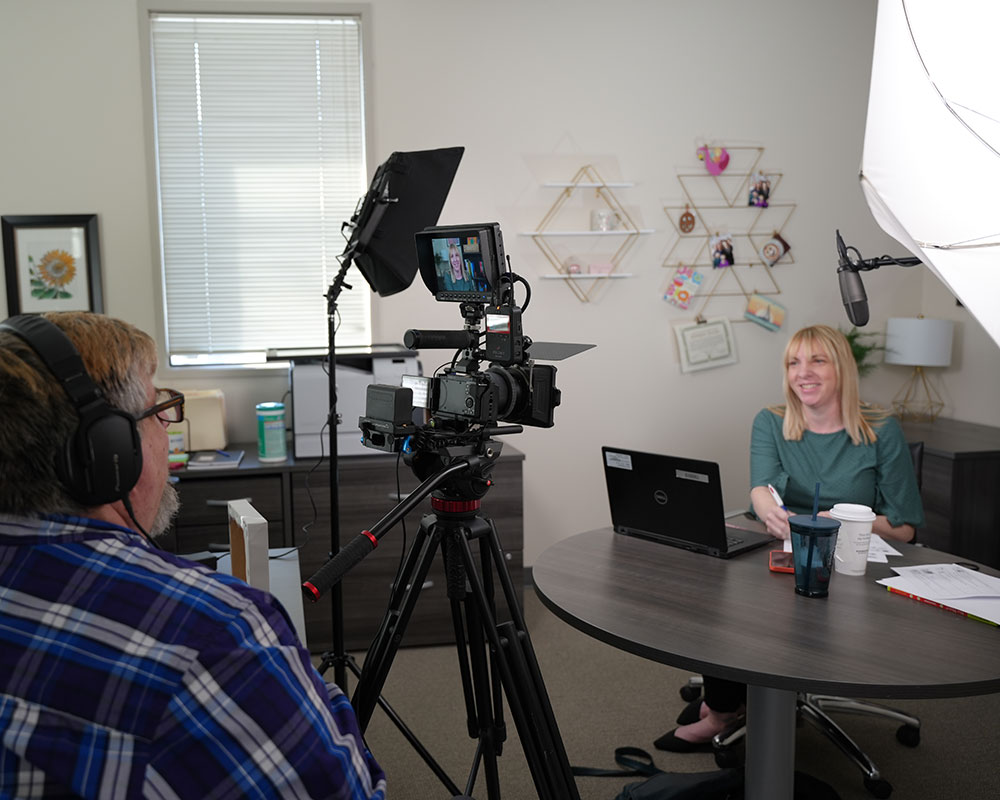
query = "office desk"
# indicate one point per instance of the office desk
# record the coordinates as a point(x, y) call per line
point(736, 619)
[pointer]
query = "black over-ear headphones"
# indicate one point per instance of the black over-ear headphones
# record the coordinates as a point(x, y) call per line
point(102, 460)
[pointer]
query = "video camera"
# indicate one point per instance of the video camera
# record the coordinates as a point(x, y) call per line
point(466, 264)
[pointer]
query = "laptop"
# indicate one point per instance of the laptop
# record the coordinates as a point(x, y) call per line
point(676, 501)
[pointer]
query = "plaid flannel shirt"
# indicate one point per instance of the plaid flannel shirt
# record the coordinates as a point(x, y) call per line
point(129, 672)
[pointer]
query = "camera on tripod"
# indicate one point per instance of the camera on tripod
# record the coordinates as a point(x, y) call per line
point(466, 264)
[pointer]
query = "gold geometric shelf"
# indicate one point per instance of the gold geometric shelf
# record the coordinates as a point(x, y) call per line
point(585, 285)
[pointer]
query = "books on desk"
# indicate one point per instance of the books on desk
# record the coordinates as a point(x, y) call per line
point(215, 459)
point(951, 587)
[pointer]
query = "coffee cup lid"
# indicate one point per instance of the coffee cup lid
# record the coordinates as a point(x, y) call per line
point(852, 512)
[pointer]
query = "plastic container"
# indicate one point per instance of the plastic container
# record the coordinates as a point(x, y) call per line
point(271, 444)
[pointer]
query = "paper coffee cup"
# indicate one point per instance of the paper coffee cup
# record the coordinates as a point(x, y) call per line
point(851, 555)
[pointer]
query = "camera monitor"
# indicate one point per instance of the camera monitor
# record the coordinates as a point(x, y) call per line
point(461, 263)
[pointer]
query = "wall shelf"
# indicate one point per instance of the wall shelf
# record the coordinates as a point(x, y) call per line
point(628, 232)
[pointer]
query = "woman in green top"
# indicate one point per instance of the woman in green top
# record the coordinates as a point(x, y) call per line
point(823, 434)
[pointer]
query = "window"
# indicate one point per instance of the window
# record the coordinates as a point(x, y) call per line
point(259, 137)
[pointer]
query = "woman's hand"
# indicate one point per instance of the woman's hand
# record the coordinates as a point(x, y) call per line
point(774, 517)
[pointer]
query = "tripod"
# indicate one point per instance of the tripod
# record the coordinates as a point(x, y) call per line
point(492, 657)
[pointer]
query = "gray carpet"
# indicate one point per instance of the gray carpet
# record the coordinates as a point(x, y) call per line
point(605, 698)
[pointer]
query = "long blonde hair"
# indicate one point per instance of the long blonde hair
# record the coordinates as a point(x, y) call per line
point(855, 415)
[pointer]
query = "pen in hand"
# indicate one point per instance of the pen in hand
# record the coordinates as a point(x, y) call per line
point(787, 543)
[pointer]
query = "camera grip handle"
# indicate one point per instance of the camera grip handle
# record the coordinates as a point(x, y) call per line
point(329, 575)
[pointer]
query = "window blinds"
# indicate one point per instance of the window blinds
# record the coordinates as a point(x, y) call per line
point(259, 131)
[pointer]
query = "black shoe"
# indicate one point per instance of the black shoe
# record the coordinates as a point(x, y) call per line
point(691, 712)
point(672, 744)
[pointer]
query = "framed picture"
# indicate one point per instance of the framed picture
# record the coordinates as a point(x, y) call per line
point(52, 263)
point(704, 345)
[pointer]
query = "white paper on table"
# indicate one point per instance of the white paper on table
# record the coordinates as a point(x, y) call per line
point(879, 550)
point(944, 582)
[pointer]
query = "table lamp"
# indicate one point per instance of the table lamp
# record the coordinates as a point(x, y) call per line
point(919, 343)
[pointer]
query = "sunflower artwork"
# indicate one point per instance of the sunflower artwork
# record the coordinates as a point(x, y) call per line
point(51, 275)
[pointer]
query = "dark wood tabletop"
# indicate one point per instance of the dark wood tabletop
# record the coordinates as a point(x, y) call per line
point(735, 619)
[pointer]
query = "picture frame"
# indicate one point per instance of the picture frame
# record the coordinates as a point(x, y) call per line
point(705, 344)
point(52, 263)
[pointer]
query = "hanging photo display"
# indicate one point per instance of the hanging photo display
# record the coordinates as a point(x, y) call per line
point(682, 288)
point(773, 249)
point(721, 245)
point(765, 312)
point(760, 190)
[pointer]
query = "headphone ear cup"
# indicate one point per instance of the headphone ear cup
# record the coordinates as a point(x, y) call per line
point(102, 461)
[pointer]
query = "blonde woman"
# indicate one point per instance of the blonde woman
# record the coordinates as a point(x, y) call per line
point(823, 434)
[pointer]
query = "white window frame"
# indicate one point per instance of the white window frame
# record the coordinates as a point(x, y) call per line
point(236, 7)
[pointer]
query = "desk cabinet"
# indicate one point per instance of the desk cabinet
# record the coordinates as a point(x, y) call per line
point(286, 495)
point(961, 487)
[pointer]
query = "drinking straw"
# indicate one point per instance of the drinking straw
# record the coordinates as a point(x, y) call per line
point(816, 502)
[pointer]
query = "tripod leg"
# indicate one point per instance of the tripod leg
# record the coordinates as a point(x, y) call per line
point(386, 643)
point(522, 680)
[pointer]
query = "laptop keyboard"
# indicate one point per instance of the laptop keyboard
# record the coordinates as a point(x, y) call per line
point(733, 540)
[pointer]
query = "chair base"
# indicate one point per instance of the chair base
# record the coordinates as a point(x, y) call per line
point(814, 708)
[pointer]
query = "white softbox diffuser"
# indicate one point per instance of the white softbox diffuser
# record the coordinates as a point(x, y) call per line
point(931, 165)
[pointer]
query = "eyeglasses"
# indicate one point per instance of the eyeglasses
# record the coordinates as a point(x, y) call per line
point(169, 407)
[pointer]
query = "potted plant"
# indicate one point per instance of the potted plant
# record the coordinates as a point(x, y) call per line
point(862, 350)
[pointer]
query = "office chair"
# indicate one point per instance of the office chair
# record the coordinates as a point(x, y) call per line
point(814, 707)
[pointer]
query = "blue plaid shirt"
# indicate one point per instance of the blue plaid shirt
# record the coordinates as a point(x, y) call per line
point(129, 672)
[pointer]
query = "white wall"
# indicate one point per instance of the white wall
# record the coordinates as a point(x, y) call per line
point(533, 89)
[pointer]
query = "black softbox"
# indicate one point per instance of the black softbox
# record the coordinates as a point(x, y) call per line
point(406, 196)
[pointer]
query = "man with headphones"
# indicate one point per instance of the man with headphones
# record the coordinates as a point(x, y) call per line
point(126, 671)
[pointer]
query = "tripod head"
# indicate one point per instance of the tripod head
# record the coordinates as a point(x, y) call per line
point(434, 449)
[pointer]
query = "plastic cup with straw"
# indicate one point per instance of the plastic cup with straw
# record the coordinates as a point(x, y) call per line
point(818, 566)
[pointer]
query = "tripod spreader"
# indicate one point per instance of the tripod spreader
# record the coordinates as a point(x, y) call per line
point(330, 574)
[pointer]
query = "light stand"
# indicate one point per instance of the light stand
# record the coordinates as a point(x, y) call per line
point(406, 195)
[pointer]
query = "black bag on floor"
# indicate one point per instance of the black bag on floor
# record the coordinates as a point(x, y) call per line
point(724, 784)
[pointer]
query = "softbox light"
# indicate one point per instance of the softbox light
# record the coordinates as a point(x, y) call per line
point(931, 165)
point(406, 195)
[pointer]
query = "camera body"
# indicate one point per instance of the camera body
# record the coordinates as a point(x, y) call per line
point(466, 264)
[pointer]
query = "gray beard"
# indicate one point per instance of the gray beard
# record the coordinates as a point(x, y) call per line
point(170, 504)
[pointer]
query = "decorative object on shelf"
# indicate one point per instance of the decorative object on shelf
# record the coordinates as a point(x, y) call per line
point(53, 263)
point(716, 159)
point(744, 202)
point(683, 287)
point(861, 350)
point(610, 220)
point(765, 312)
point(920, 343)
point(704, 344)
point(604, 219)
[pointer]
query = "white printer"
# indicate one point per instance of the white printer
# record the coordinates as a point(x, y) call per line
point(357, 367)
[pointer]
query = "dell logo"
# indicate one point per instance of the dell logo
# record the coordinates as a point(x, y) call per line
point(660, 497)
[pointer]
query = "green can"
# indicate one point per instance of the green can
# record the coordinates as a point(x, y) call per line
point(271, 445)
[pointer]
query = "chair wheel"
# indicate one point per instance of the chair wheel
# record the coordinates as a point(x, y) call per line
point(908, 735)
point(727, 759)
point(878, 788)
point(689, 693)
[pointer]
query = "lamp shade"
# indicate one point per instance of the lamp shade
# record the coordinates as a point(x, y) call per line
point(918, 342)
